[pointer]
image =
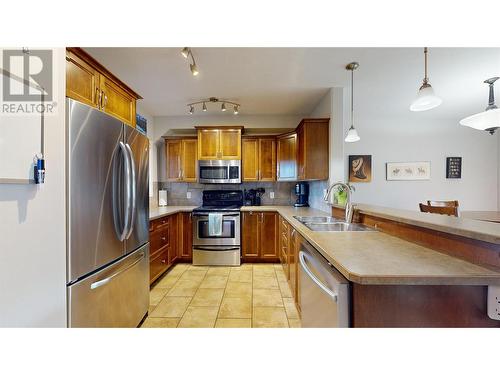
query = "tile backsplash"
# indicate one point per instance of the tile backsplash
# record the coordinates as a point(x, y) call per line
point(177, 192)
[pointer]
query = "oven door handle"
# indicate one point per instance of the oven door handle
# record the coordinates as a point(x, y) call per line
point(206, 215)
point(215, 248)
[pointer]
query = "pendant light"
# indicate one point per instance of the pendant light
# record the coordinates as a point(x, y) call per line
point(352, 133)
point(489, 120)
point(426, 98)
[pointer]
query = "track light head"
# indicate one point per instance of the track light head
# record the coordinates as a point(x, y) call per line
point(204, 107)
point(191, 109)
point(185, 52)
point(236, 110)
point(194, 69)
point(223, 107)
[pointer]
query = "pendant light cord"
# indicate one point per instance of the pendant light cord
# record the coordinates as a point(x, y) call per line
point(426, 79)
point(352, 97)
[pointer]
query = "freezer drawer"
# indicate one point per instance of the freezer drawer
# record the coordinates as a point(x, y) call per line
point(324, 292)
point(116, 296)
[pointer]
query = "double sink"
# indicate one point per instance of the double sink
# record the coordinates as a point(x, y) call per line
point(331, 224)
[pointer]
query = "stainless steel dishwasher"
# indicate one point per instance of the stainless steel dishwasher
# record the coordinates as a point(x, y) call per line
point(324, 292)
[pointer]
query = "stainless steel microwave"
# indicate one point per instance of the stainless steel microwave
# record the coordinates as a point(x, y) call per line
point(219, 171)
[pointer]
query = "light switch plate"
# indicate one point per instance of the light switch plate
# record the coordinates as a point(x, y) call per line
point(494, 302)
point(271, 194)
point(188, 195)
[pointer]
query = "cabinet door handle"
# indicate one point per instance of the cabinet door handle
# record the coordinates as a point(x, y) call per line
point(97, 95)
point(105, 101)
point(99, 104)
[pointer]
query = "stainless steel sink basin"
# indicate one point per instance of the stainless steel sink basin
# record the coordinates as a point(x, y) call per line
point(317, 219)
point(339, 227)
point(331, 224)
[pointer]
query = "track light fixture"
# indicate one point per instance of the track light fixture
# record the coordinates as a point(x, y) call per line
point(223, 108)
point(186, 52)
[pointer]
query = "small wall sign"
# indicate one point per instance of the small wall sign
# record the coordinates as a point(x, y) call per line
point(454, 167)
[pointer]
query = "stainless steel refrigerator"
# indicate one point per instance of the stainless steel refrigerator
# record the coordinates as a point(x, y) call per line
point(108, 220)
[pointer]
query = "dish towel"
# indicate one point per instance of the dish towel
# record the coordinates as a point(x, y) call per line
point(214, 224)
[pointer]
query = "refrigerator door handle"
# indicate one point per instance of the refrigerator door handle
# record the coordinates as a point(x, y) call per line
point(132, 183)
point(124, 152)
point(106, 280)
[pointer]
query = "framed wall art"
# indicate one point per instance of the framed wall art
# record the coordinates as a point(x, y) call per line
point(360, 168)
point(408, 171)
point(454, 167)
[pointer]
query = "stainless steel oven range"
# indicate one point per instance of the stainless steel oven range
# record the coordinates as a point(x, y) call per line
point(222, 246)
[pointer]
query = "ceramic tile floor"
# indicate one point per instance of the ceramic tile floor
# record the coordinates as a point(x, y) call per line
point(252, 295)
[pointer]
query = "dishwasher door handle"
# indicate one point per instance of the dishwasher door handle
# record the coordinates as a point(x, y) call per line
point(302, 261)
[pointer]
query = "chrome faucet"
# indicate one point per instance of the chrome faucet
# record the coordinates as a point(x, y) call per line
point(349, 207)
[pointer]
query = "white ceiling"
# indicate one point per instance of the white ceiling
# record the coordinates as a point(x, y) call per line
point(293, 80)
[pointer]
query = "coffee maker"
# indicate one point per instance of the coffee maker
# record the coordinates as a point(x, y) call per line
point(302, 193)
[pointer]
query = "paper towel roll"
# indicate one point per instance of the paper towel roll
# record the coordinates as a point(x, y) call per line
point(162, 197)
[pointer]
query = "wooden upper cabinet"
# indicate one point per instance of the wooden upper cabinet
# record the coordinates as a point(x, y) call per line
point(312, 149)
point(287, 157)
point(173, 149)
point(89, 82)
point(267, 159)
point(259, 159)
point(250, 159)
point(230, 144)
point(116, 101)
point(181, 157)
point(82, 80)
point(189, 160)
point(208, 144)
point(219, 143)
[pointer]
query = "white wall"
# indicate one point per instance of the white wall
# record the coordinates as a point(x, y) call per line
point(419, 138)
point(33, 234)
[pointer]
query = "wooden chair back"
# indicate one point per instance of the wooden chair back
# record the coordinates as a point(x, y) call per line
point(443, 203)
point(443, 210)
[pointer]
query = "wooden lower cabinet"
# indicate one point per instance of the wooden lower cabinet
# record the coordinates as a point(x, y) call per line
point(169, 242)
point(185, 237)
point(259, 237)
point(289, 244)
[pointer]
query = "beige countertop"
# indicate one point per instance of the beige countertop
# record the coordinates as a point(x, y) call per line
point(461, 226)
point(157, 212)
point(377, 258)
point(493, 216)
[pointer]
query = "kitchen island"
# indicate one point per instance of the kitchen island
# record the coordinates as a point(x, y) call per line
point(397, 278)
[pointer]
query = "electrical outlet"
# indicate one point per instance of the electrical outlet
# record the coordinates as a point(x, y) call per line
point(271, 194)
point(494, 302)
point(188, 195)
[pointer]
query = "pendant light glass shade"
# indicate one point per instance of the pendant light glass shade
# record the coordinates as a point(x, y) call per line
point(352, 135)
point(489, 120)
point(426, 98)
